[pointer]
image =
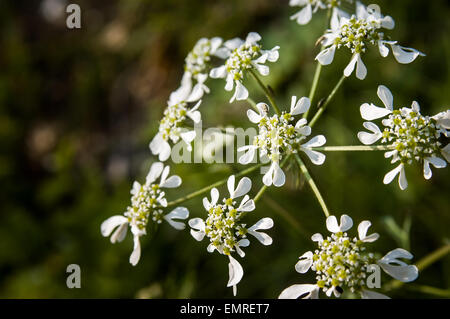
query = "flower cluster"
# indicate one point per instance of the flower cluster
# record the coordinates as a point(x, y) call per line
point(356, 33)
point(413, 137)
point(311, 6)
point(243, 56)
point(224, 228)
point(278, 135)
point(342, 262)
point(198, 63)
point(147, 203)
point(171, 125)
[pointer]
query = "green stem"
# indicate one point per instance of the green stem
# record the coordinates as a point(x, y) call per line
point(327, 101)
point(443, 293)
point(423, 264)
point(207, 188)
point(252, 104)
point(353, 148)
point(313, 185)
point(312, 92)
point(266, 90)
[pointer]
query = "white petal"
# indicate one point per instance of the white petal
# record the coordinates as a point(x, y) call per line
point(443, 119)
point(346, 223)
point(325, 57)
point(351, 66)
point(368, 138)
point(172, 182)
point(111, 223)
point(262, 69)
point(367, 294)
point(295, 291)
point(252, 38)
point(316, 141)
point(317, 237)
point(188, 136)
point(241, 91)
point(198, 228)
point(253, 116)
point(304, 15)
point(301, 106)
point(244, 186)
point(136, 254)
point(214, 196)
point(119, 234)
point(362, 232)
point(371, 112)
point(332, 224)
point(388, 23)
point(164, 151)
point(247, 206)
point(397, 268)
point(361, 70)
point(219, 72)
point(177, 213)
point(393, 173)
point(230, 184)
point(273, 54)
point(268, 177)
point(436, 161)
point(236, 272)
point(305, 262)
point(278, 176)
point(384, 50)
point(405, 55)
point(248, 156)
point(386, 97)
point(264, 223)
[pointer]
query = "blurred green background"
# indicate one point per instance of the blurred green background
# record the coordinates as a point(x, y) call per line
point(78, 108)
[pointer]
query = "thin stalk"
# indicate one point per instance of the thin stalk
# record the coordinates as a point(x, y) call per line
point(442, 293)
point(312, 92)
point(327, 101)
point(353, 148)
point(313, 185)
point(266, 91)
point(423, 264)
point(207, 188)
point(252, 104)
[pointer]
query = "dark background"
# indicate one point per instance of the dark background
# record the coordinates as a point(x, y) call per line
point(78, 108)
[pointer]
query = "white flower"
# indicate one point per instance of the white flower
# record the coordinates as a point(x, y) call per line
point(170, 126)
point(413, 137)
point(224, 228)
point(243, 56)
point(342, 262)
point(197, 64)
point(356, 33)
point(312, 6)
point(279, 135)
point(147, 202)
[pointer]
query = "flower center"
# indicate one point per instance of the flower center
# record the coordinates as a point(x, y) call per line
point(277, 135)
point(241, 59)
point(357, 33)
point(223, 228)
point(341, 262)
point(143, 206)
point(414, 136)
point(169, 126)
point(197, 60)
